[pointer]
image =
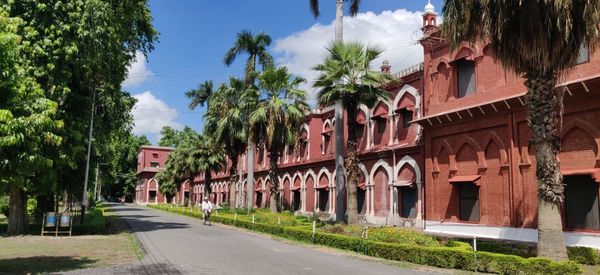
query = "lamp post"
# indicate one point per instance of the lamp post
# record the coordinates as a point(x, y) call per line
point(84, 199)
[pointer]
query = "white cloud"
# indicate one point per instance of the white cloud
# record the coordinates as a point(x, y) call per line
point(151, 114)
point(138, 72)
point(395, 31)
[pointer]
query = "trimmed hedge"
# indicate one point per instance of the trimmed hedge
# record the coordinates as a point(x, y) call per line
point(457, 257)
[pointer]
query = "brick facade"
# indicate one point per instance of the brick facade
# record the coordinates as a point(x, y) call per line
point(460, 164)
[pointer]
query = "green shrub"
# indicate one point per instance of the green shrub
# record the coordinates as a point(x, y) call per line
point(383, 234)
point(31, 205)
point(4, 205)
point(584, 255)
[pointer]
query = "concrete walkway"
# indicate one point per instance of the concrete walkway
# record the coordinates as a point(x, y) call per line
point(177, 244)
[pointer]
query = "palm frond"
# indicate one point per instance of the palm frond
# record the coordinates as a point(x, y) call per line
point(314, 8)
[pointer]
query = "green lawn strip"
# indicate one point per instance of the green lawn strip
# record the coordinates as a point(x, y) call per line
point(458, 256)
point(36, 254)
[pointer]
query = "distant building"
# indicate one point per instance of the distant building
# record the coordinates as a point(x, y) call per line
point(151, 160)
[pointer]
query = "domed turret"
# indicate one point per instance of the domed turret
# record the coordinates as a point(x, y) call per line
point(429, 17)
point(429, 8)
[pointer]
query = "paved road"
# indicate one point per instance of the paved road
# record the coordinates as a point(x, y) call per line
point(177, 244)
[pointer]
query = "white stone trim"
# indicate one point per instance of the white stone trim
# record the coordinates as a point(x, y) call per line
point(506, 233)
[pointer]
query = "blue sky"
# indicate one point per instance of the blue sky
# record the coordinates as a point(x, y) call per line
point(194, 36)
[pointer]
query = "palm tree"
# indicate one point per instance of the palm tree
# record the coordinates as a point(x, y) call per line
point(211, 159)
point(186, 162)
point(339, 112)
point(541, 40)
point(255, 46)
point(227, 122)
point(345, 76)
point(201, 95)
point(168, 179)
point(277, 118)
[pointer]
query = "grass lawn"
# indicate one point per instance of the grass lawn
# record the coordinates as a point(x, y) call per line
point(36, 254)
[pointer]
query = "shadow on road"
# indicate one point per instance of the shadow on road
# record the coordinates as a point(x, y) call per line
point(139, 222)
point(43, 264)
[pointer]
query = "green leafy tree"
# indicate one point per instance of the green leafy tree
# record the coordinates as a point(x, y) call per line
point(339, 112)
point(277, 118)
point(119, 165)
point(345, 75)
point(211, 158)
point(226, 120)
point(255, 46)
point(171, 137)
point(540, 40)
point(201, 95)
point(28, 124)
point(78, 50)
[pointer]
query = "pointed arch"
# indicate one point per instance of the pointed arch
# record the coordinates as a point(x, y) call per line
point(381, 163)
point(465, 139)
point(327, 174)
point(493, 137)
point(408, 160)
point(589, 128)
point(309, 173)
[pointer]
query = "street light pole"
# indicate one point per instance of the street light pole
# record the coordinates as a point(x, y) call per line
point(84, 200)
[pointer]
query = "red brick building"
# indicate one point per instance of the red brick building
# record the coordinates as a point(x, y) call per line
point(391, 180)
point(448, 152)
point(479, 164)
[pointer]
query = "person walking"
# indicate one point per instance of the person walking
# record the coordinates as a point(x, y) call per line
point(207, 209)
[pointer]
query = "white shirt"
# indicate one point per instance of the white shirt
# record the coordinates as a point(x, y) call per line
point(207, 206)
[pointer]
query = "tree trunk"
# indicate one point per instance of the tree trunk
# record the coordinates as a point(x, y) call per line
point(190, 192)
point(339, 126)
point(250, 177)
point(233, 179)
point(352, 167)
point(207, 190)
point(17, 218)
point(339, 20)
point(273, 176)
point(542, 102)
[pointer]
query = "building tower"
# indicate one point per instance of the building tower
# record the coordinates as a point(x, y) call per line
point(429, 18)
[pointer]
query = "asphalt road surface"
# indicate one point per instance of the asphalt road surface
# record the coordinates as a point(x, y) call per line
point(177, 244)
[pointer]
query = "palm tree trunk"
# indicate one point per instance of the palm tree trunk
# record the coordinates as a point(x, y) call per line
point(233, 178)
point(207, 179)
point(352, 167)
point(250, 177)
point(339, 20)
point(190, 191)
point(17, 217)
point(542, 103)
point(339, 126)
point(274, 178)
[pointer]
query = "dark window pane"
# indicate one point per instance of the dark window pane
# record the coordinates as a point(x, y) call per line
point(381, 125)
point(408, 202)
point(407, 117)
point(584, 54)
point(466, 77)
point(360, 130)
point(581, 202)
point(469, 201)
